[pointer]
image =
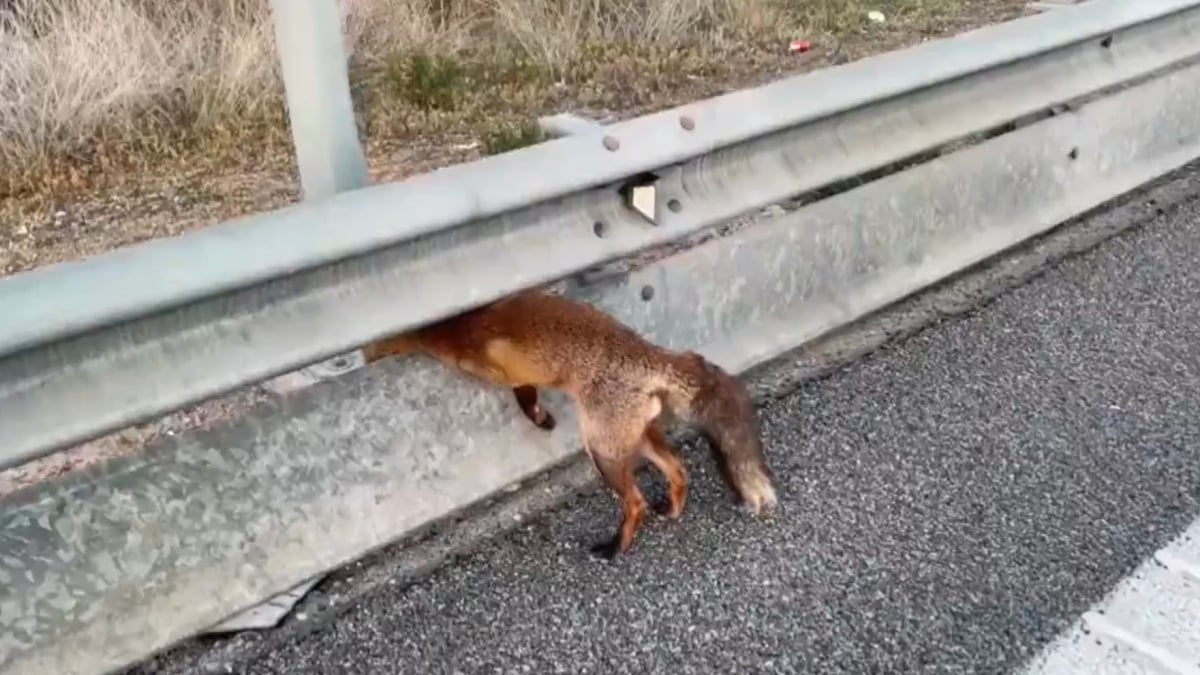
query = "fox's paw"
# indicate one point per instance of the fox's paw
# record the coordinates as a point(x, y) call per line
point(527, 399)
point(607, 549)
point(544, 420)
point(666, 509)
point(758, 497)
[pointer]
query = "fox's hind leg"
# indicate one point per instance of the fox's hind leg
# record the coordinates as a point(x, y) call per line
point(613, 426)
point(656, 449)
point(527, 398)
point(618, 474)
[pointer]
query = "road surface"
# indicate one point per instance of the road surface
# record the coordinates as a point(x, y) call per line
point(950, 504)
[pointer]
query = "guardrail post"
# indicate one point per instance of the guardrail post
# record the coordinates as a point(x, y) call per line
point(308, 37)
point(330, 158)
point(311, 49)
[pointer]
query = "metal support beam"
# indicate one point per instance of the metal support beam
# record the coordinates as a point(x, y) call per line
point(309, 39)
point(330, 158)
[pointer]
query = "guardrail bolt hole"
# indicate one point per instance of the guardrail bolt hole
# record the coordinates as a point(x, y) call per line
point(674, 206)
point(612, 143)
point(1073, 154)
point(647, 292)
point(1106, 42)
point(687, 122)
point(599, 228)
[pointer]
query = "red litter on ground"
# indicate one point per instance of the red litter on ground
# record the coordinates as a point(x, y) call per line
point(799, 46)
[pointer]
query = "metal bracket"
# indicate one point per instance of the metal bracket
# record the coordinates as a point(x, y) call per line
point(640, 194)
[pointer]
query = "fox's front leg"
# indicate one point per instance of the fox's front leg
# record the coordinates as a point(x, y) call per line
point(527, 398)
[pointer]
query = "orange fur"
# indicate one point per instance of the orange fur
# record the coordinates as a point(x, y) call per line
point(621, 384)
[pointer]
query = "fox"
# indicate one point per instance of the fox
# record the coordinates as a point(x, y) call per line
point(621, 385)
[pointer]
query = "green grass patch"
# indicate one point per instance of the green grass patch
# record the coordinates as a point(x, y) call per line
point(506, 137)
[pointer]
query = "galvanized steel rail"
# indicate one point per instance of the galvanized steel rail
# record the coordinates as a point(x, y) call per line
point(92, 346)
point(150, 328)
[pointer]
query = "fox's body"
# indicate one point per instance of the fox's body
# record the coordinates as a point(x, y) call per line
point(621, 384)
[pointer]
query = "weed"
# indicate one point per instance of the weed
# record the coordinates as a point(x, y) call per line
point(95, 93)
point(505, 137)
point(428, 82)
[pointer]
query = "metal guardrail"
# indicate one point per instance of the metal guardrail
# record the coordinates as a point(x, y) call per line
point(144, 330)
point(100, 568)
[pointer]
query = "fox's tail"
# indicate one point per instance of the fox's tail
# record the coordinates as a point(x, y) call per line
point(703, 393)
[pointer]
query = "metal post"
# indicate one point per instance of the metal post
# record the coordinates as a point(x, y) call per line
point(309, 39)
point(316, 84)
point(308, 36)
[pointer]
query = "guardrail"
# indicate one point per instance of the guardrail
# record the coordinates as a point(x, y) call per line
point(143, 330)
point(101, 568)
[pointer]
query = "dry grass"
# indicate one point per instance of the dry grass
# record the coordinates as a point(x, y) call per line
point(88, 84)
point(554, 33)
point(85, 81)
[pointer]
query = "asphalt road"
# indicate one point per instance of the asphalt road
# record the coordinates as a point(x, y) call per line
point(949, 504)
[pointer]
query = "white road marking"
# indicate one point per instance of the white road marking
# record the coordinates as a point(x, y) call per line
point(1149, 623)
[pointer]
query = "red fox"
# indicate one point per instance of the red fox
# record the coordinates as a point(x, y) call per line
point(620, 383)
